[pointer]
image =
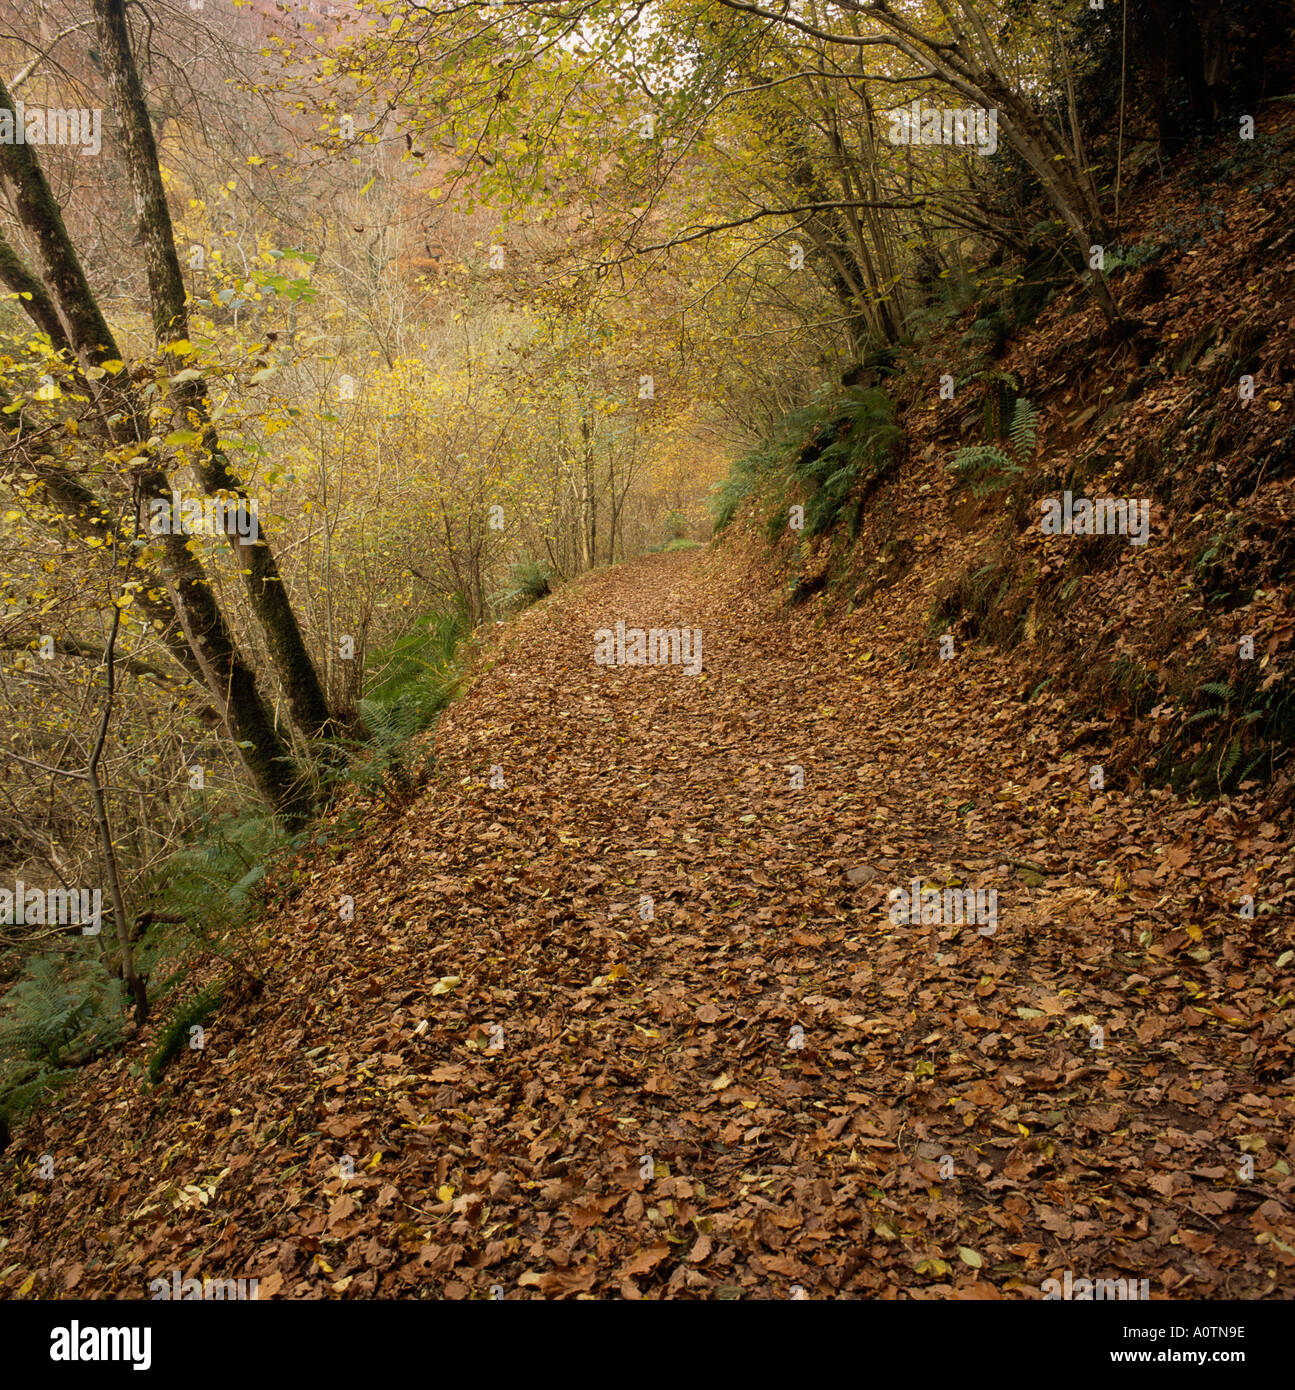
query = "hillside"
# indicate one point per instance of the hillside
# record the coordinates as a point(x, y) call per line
point(1134, 646)
point(514, 1157)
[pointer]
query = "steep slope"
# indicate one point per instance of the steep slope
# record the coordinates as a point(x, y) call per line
point(1174, 655)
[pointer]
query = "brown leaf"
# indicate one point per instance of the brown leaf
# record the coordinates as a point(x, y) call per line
point(644, 1262)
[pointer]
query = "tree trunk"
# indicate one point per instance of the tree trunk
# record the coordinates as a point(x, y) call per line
point(230, 679)
point(256, 562)
point(210, 644)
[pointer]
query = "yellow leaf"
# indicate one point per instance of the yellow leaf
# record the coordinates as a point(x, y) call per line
point(26, 1286)
point(724, 1079)
point(969, 1257)
point(445, 1193)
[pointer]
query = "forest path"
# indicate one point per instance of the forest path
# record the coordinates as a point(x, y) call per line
point(616, 955)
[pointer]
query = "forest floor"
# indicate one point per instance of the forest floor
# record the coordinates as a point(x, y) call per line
point(508, 1031)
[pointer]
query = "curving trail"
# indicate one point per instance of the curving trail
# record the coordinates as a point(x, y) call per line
point(650, 943)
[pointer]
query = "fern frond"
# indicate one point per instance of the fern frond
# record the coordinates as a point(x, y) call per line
point(1228, 762)
point(61, 1005)
point(1024, 428)
point(985, 467)
point(979, 458)
point(1251, 765)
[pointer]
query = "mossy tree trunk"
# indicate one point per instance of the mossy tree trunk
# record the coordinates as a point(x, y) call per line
point(256, 561)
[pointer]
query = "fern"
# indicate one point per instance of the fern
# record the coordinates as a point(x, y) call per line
point(1245, 731)
point(60, 1008)
point(998, 401)
point(839, 440)
point(176, 1033)
point(529, 582)
point(1228, 762)
point(1024, 428)
point(417, 676)
point(1262, 756)
point(727, 496)
point(1121, 259)
point(989, 467)
point(854, 441)
point(990, 328)
point(979, 463)
point(423, 652)
point(22, 1087)
point(210, 885)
